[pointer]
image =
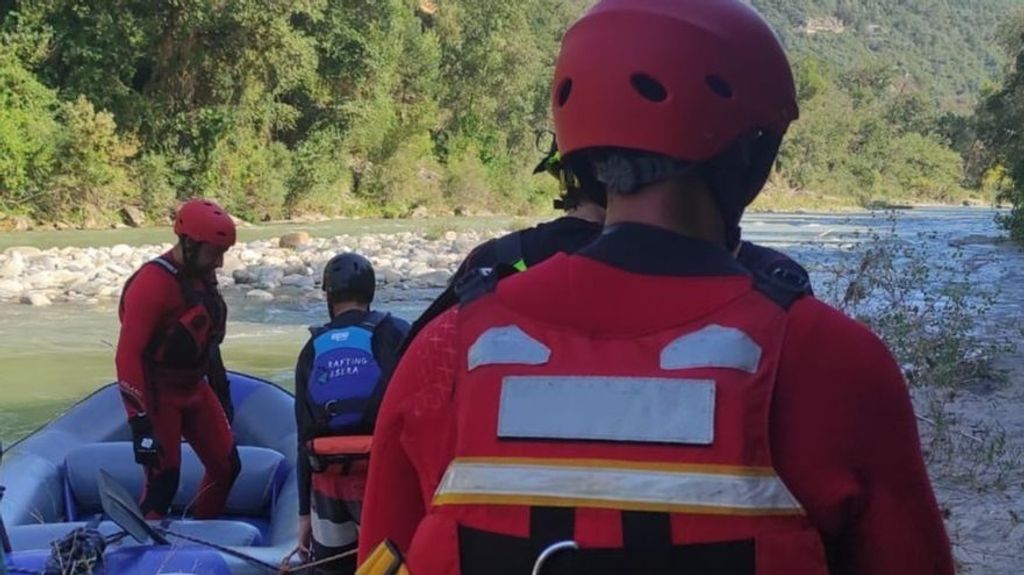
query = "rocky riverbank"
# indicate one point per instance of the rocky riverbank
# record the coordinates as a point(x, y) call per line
point(287, 267)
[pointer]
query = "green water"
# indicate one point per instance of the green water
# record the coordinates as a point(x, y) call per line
point(53, 356)
point(158, 235)
point(56, 355)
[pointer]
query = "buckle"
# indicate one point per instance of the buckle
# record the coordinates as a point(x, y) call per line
point(551, 551)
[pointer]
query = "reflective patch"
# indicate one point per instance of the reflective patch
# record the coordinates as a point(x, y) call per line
point(605, 484)
point(506, 345)
point(650, 410)
point(331, 534)
point(713, 346)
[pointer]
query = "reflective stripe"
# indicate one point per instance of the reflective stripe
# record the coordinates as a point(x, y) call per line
point(331, 534)
point(166, 265)
point(653, 410)
point(713, 346)
point(616, 485)
point(506, 345)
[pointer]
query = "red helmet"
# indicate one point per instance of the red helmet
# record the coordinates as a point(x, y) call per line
point(681, 78)
point(206, 222)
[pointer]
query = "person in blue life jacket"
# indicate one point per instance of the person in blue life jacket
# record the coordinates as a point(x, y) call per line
point(339, 381)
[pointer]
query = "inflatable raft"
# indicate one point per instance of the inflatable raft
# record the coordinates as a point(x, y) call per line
point(61, 480)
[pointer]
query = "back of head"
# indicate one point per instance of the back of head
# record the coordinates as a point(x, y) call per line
point(578, 188)
point(648, 90)
point(349, 276)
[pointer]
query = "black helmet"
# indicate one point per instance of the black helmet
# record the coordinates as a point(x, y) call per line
point(350, 273)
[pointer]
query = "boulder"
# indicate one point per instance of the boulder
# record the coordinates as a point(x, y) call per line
point(259, 295)
point(14, 267)
point(295, 239)
point(35, 299)
point(23, 251)
point(10, 289)
point(133, 216)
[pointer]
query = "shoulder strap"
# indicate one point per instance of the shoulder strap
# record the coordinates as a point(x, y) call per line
point(783, 292)
point(481, 281)
point(373, 320)
point(160, 262)
point(509, 250)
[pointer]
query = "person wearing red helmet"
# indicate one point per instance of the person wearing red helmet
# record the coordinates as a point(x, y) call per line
point(708, 419)
point(171, 376)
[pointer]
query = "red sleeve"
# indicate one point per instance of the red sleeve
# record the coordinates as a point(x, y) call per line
point(148, 299)
point(846, 442)
point(404, 471)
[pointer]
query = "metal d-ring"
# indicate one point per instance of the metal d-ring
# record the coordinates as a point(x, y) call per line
point(551, 551)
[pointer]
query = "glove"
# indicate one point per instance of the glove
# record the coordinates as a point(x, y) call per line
point(144, 443)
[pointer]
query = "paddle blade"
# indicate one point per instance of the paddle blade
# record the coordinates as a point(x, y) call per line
point(119, 506)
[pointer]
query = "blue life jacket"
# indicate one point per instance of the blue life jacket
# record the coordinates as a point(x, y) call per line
point(345, 375)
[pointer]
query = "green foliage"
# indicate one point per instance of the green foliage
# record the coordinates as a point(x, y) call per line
point(27, 132)
point(946, 49)
point(858, 137)
point(381, 107)
point(1000, 117)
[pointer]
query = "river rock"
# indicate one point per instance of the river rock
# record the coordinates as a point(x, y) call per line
point(85, 288)
point(294, 240)
point(121, 251)
point(389, 275)
point(23, 251)
point(436, 278)
point(133, 216)
point(36, 299)
point(10, 289)
point(118, 270)
point(232, 263)
point(295, 266)
point(304, 282)
point(269, 277)
point(249, 255)
point(40, 279)
point(243, 276)
point(13, 268)
point(259, 295)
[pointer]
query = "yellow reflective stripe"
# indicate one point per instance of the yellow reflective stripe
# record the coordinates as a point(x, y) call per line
point(623, 505)
point(621, 464)
point(622, 485)
point(384, 560)
point(520, 265)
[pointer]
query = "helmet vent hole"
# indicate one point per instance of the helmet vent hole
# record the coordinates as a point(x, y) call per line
point(719, 86)
point(648, 87)
point(564, 90)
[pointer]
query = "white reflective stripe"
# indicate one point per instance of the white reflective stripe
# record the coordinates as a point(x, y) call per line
point(713, 346)
point(644, 409)
point(331, 534)
point(616, 485)
point(166, 265)
point(506, 345)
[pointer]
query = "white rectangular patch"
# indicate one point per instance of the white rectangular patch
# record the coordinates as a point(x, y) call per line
point(637, 409)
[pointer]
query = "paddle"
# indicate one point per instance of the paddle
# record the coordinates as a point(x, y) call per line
point(118, 504)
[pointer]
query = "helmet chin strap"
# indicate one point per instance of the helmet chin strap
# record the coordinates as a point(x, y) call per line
point(189, 255)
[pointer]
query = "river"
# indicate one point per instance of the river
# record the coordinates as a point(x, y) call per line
point(52, 356)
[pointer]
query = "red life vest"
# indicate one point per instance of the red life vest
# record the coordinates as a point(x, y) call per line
point(180, 353)
point(642, 453)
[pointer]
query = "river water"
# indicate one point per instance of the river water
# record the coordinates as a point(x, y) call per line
point(52, 356)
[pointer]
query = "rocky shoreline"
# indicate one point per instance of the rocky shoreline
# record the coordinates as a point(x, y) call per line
point(263, 270)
